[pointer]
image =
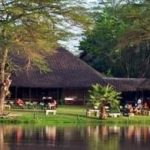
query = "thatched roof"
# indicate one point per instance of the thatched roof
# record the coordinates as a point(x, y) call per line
point(145, 85)
point(67, 71)
point(127, 84)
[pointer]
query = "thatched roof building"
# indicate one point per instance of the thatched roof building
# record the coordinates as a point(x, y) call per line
point(131, 88)
point(128, 84)
point(125, 84)
point(145, 85)
point(66, 71)
point(69, 77)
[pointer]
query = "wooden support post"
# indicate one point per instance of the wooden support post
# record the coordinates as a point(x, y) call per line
point(16, 92)
point(29, 93)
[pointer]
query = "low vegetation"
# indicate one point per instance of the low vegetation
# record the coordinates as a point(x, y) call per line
point(102, 96)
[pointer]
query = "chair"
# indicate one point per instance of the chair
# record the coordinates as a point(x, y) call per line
point(52, 105)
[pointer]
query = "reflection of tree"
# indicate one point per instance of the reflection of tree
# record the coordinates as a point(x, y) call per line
point(1, 138)
point(3, 145)
point(103, 137)
point(129, 132)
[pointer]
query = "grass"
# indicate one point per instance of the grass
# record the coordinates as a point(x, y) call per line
point(66, 115)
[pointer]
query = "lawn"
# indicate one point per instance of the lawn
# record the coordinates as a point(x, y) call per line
point(66, 115)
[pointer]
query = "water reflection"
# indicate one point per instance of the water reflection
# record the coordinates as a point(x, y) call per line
point(82, 138)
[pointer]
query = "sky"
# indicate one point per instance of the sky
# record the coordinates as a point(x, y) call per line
point(73, 42)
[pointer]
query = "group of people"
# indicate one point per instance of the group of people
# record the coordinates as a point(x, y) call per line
point(52, 104)
point(141, 107)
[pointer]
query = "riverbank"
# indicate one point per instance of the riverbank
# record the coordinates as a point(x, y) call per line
point(65, 115)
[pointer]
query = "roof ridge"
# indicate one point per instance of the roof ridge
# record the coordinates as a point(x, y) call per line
point(80, 60)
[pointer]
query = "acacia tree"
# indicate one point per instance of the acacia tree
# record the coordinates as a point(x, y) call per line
point(30, 28)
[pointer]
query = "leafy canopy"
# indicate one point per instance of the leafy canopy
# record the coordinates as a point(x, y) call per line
point(119, 42)
point(32, 28)
point(103, 95)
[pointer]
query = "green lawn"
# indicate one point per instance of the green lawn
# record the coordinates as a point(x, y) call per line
point(67, 115)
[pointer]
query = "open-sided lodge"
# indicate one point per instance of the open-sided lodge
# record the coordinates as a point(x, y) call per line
point(131, 88)
point(69, 81)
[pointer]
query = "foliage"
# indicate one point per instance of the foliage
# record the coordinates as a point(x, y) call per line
point(104, 95)
point(31, 27)
point(29, 30)
point(100, 41)
point(119, 43)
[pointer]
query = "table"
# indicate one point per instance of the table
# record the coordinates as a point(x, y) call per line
point(7, 106)
point(115, 115)
point(53, 111)
point(93, 111)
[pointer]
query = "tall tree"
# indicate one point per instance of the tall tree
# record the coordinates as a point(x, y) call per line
point(119, 42)
point(32, 29)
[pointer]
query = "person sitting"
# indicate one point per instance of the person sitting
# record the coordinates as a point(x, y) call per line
point(20, 102)
point(137, 110)
point(130, 108)
point(52, 105)
point(139, 103)
point(145, 109)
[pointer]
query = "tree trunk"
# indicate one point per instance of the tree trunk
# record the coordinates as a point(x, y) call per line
point(103, 113)
point(4, 91)
point(2, 99)
point(4, 78)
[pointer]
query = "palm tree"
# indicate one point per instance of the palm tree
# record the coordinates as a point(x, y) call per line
point(102, 96)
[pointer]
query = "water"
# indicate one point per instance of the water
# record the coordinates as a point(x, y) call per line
point(74, 138)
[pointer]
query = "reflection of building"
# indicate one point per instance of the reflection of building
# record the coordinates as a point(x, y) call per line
point(129, 132)
point(115, 129)
point(19, 134)
point(136, 133)
point(87, 137)
point(68, 134)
